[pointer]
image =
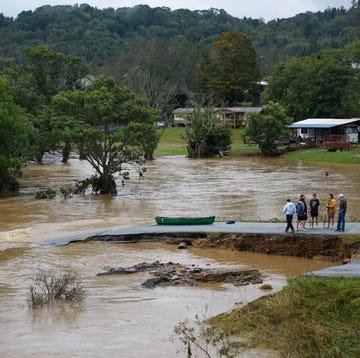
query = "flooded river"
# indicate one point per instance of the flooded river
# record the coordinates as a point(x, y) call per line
point(119, 318)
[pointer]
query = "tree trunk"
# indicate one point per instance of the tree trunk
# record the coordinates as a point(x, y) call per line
point(39, 157)
point(148, 156)
point(107, 184)
point(65, 153)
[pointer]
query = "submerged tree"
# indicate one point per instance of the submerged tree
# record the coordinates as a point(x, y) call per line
point(206, 136)
point(95, 121)
point(268, 127)
point(15, 133)
point(43, 74)
point(143, 135)
point(49, 288)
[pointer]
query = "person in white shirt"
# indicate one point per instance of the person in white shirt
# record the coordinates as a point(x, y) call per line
point(289, 210)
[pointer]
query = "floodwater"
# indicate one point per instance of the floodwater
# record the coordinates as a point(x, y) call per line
point(119, 318)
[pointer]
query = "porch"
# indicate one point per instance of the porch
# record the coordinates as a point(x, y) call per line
point(330, 132)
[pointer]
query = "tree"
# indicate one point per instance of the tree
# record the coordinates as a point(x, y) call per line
point(158, 70)
point(230, 68)
point(95, 121)
point(15, 132)
point(268, 127)
point(44, 67)
point(206, 136)
point(311, 87)
point(44, 74)
point(144, 135)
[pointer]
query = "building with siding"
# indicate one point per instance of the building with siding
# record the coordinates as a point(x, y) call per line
point(236, 116)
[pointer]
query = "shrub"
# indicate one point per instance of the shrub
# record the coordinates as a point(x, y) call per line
point(48, 288)
point(45, 194)
point(202, 338)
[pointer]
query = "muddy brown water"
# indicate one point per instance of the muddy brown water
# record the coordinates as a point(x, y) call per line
point(119, 318)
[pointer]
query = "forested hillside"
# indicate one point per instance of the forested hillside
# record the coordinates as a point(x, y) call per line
point(107, 37)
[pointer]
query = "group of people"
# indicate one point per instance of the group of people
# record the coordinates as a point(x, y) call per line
point(302, 212)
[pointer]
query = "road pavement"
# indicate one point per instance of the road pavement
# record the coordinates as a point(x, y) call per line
point(353, 228)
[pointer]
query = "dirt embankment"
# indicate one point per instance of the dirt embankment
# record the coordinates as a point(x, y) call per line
point(328, 247)
point(310, 246)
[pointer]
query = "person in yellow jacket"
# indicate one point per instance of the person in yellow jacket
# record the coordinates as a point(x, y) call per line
point(331, 208)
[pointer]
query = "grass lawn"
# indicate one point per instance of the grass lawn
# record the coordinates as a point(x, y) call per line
point(172, 143)
point(310, 317)
point(351, 156)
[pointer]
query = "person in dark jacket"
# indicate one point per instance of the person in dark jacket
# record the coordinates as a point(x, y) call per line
point(341, 214)
point(314, 210)
point(301, 210)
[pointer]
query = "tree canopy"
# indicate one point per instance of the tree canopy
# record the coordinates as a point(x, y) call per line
point(268, 127)
point(316, 86)
point(95, 121)
point(15, 134)
point(230, 68)
point(206, 136)
point(98, 36)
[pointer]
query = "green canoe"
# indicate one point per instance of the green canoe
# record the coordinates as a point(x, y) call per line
point(166, 220)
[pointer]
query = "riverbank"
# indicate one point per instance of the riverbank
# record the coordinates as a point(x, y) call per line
point(259, 237)
point(310, 317)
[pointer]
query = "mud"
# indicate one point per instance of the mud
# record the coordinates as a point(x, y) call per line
point(175, 274)
point(310, 246)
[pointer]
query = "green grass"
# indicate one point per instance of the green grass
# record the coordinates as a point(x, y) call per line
point(239, 148)
point(310, 317)
point(171, 143)
point(321, 155)
point(350, 239)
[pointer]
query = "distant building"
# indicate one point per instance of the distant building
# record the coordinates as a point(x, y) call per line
point(318, 129)
point(236, 116)
point(87, 81)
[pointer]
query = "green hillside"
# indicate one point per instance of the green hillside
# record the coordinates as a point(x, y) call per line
point(106, 37)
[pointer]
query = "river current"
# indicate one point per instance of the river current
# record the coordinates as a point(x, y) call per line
point(119, 318)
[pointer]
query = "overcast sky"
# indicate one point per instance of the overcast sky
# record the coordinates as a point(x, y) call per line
point(266, 9)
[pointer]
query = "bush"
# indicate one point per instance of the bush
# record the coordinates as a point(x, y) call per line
point(206, 136)
point(48, 288)
point(45, 194)
point(203, 339)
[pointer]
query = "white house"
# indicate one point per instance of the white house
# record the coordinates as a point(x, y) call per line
point(317, 129)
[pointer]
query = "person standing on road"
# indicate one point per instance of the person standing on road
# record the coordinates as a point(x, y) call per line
point(314, 210)
point(331, 207)
point(301, 210)
point(342, 212)
point(289, 210)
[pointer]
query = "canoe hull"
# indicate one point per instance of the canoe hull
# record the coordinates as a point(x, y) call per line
point(165, 220)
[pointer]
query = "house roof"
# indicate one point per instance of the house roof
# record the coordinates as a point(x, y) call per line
point(240, 109)
point(322, 122)
point(183, 110)
point(228, 109)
